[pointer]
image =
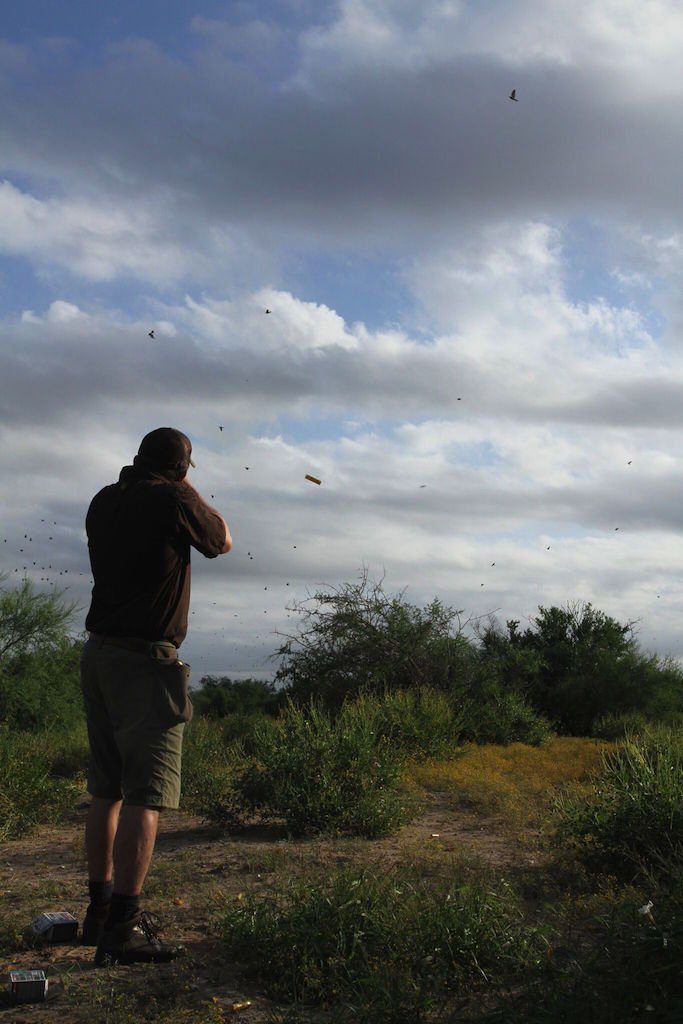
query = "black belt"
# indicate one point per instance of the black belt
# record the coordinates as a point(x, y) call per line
point(130, 643)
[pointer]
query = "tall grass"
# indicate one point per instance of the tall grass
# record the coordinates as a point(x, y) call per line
point(211, 764)
point(631, 817)
point(31, 792)
point(386, 948)
point(629, 972)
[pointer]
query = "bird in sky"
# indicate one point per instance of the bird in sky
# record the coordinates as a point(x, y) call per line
point(151, 334)
point(493, 563)
point(629, 463)
point(513, 97)
point(548, 548)
point(220, 428)
point(423, 485)
point(267, 311)
point(246, 467)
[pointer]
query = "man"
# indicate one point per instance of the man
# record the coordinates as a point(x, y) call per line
point(134, 685)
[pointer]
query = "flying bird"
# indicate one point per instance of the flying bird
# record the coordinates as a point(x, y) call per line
point(629, 463)
point(423, 485)
point(151, 334)
point(513, 97)
point(267, 311)
point(220, 428)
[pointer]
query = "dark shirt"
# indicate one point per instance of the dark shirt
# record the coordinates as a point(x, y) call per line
point(139, 535)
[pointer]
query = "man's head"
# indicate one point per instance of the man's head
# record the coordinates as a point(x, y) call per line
point(167, 451)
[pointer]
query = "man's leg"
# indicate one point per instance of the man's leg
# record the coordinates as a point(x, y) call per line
point(126, 850)
point(133, 848)
point(100, 829)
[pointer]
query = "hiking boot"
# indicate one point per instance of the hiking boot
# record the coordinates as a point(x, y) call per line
point(135, 941)
point(93, 926)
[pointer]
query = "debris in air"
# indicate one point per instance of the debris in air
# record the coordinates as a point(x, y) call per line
point(313, 479)
point(151, 334)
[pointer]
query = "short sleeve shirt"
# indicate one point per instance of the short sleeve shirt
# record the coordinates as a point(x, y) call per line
point(139, 541)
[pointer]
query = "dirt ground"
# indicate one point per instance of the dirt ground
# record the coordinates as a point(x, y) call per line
point(203, 866)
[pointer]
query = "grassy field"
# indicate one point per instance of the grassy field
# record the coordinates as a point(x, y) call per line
point(468, 910)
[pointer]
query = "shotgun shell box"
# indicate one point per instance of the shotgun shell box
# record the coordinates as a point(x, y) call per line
point(53, 927)
point(27, 986)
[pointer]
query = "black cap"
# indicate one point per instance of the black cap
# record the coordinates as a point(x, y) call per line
point(166, 448)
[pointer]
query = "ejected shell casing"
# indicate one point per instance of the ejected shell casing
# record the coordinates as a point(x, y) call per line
point(27, 986)
point(60, 926)
point(313, 479)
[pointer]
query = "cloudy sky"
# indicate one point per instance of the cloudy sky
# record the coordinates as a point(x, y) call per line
point(475, 337)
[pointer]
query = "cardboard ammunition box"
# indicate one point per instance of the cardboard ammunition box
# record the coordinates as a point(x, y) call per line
point(53, 927)
point(27, 986)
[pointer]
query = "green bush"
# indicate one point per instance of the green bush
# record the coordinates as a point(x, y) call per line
point(616, 726)
point(42, 688)
point(632, 817)
point(504, 717)
point(387, 948)
point(419, 721)
point(241, 728)
point(325, 776)
point(30, 795)
point(577, 665)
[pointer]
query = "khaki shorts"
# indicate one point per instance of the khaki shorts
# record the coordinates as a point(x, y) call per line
point(135, 753)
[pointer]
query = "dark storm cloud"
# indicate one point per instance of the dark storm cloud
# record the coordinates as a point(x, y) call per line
point(396, 150)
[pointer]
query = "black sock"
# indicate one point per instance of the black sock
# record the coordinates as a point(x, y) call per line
point(100, 894)
point(122, 908)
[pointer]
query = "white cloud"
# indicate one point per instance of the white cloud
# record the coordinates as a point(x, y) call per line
point(290, 324)
point(639, 38)
point(100, 241)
